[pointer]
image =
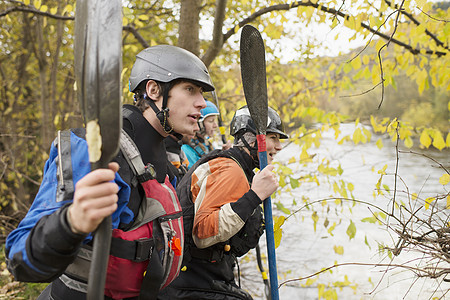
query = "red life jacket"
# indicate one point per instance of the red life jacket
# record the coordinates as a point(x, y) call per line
point(159, 219)
point(148, 256)
point(124, 277)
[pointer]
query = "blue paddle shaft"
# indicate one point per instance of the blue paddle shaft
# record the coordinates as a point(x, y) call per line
point(270, 239)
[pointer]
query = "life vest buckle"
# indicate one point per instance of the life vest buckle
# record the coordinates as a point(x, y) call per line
point(144, 249)
point(149, 173)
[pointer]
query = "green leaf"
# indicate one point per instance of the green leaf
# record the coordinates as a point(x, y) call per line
point(282, 208)
point(315, 218)
point(369, 220)
point(294, 183)
point(351, 230)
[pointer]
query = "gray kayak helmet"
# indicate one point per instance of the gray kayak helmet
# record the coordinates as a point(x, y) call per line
point(165, 63)
point(242, 122)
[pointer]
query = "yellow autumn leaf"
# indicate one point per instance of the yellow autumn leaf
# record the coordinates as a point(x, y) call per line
point(230, 84)
point(438, 141)
point(68, 8)
point(26, 2)
point(56, 120)
point(422, 81)
point(379, 143)
point(366, 59)
point(428, 201)
point(414, 196)
point(425, 139)
point(356, 63)
point(277, 234)
point(37, 3)
point(53, 10)
point(310, 281)
point(383, 170)
point(304, 155)
point(356, 136)
point(408, 142)
point(445, 179)
point(338, 250)
point(277, 230)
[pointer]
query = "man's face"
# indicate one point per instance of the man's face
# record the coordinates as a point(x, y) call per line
point(185, 102)
point(273, 145)
point(210, 123)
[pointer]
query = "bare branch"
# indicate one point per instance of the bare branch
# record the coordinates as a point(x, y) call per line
point(431, 273)
point(416, 22)
point(363, 93)
point(33, 10)
point(325, 9)
point(431, 17)
point(137, 35)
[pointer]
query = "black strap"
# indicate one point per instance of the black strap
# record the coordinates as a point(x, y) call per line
point(137, 251)
point(153, 279)
point(208, 254)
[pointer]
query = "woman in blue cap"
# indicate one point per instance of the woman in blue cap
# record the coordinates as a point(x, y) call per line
point(200, 145)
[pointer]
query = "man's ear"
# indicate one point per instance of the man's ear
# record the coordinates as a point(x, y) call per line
point(153, 90)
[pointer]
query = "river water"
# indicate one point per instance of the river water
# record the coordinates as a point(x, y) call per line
point(304, 250)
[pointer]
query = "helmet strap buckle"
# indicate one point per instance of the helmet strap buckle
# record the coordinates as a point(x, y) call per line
point(162, 116)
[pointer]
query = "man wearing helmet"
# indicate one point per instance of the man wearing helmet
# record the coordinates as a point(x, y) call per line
point(222, 216)
point(49, 244)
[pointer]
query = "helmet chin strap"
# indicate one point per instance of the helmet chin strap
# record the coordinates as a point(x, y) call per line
point(163, 114)
point(253, 151)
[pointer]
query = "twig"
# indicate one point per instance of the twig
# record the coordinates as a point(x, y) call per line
point(363, 93)
point(389, 266)
point(431, 17)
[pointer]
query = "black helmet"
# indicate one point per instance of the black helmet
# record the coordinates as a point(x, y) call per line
point(242, 122)
point(166, 63)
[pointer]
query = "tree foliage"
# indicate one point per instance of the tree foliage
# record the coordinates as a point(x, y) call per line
point(397, 82)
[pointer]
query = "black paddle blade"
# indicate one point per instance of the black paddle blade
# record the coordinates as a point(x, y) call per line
point(98, 67)
point(253, 72)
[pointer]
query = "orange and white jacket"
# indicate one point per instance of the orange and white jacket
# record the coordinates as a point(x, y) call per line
point(222, 198)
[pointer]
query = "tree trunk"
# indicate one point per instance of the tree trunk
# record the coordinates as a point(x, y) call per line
point(189, 26)
point(217, 40)
point(46, 118)
point(54, 69)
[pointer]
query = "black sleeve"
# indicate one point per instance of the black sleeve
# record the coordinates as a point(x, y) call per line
point(51, 247)
point(245, 205)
